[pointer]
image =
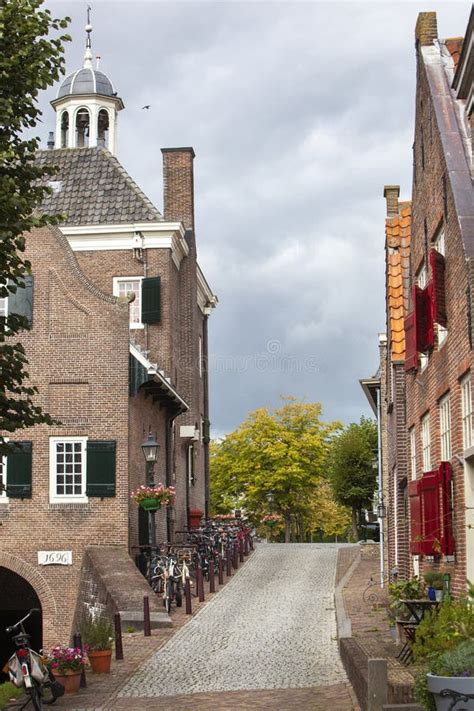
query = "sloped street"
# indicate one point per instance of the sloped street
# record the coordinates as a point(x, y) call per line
point(272, 627)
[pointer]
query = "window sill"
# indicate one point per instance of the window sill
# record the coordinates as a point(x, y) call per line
point(69, 506)
point(134, 326)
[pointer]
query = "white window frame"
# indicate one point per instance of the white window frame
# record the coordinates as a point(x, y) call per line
point(412, 436)
point(3, 493)
point(439, 242)
point(422, 277)
point(54, 497)
point(426, 442)
point(116, 282)
point(445, 428)
point(4, 306)
point(466, 411)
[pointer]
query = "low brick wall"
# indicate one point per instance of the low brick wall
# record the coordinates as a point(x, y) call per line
point(355, 663)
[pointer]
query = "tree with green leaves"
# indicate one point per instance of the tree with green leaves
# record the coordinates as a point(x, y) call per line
point(281, 451)
point(29, 62)
point(352, 467)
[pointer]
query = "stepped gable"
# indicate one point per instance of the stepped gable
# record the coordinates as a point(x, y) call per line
point(91, 187)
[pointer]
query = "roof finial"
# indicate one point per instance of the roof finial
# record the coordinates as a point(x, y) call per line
point(88, 53)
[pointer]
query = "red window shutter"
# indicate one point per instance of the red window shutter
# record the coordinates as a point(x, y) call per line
point(445, 480)
point(430, 507)
point(415, 516)
point(438, 291)
point(424, 319)
point(411, 353)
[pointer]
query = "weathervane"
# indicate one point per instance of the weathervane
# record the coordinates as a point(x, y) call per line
point(88, 53)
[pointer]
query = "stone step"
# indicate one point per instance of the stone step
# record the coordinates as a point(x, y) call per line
point(134, 618)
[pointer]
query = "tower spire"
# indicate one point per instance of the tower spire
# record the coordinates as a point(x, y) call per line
point(88, 53)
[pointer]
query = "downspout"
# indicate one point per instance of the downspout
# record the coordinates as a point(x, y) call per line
point(380, 486)
point(169, 465)
point(205, 383)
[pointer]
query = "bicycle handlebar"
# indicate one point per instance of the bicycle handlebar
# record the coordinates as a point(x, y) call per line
point(9, 630)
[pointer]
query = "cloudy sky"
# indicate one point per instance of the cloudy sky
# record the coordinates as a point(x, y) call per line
point(299, 113)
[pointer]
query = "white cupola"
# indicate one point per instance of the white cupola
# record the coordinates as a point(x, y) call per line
point(87, 106)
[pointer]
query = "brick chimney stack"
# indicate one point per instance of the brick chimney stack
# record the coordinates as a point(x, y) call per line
point(426, 29)
point(391, 194)
point(178, 185)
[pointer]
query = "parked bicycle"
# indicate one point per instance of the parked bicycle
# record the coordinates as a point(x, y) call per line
point(27, 669)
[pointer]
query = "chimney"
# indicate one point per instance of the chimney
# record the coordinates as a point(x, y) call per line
point(178, 185)
point(50, 143)
point(391, 193)
point(426, 29)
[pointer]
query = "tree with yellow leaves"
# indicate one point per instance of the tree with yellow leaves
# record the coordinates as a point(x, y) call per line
point(281, 451)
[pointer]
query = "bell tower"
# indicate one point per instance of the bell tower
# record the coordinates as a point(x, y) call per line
point(87, 106)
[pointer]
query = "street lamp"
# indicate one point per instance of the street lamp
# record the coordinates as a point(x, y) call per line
point(270, 498)
point(150, 449)
point(381, 511)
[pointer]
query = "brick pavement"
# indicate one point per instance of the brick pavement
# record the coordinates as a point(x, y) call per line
point(366, 606)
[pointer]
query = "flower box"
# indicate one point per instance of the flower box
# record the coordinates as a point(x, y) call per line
point(150, 504)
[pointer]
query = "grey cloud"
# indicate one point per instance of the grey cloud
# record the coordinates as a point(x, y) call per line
point(299, 114)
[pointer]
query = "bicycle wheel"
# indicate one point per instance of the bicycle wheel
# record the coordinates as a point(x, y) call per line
point(178, 596)
point(35, 696)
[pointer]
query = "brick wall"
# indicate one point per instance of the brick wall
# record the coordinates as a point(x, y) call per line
point(78, 351)
point(432, 209)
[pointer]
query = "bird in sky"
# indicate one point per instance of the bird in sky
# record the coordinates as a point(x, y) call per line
point(147, 106)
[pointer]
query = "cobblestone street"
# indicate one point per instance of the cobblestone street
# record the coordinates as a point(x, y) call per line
point(272, 627)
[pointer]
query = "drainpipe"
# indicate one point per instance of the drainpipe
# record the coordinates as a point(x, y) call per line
point(205, 383)
point(169, 466)
point(380, 487)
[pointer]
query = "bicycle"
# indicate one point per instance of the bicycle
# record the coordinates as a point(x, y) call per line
point(27, 669)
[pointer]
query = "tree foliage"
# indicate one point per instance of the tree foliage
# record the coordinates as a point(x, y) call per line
point(351, 465)
point(29, 62)
point(282, 451)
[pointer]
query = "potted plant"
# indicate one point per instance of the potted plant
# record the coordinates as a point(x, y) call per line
point(451, 678)
point(271, 520)
point(435, 581)
point(97, 634)
point(412, 589)
point(152, 498)
point(67, 664)
point(438, 635)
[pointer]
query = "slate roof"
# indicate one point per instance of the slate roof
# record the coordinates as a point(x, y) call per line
point(398, 237)
point(86, 81)
point(91, 187)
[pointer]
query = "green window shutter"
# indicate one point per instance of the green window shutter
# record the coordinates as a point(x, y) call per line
point(19, 471)
point(151, 300)
point(206, 426)
point(21, 302)
point(100, 468)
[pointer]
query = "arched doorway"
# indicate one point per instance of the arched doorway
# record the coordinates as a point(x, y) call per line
point(17, 597)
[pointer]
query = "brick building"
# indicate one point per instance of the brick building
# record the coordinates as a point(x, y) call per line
point(119, 312)
point(429, 263)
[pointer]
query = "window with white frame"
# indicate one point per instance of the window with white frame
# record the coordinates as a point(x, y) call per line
point(426, 442)
point(439, 244)
point(422, 276)
point(445, 428)
point(125, 285)
point(466, 411)
point(4, 306)
point(3, 478)
point(67, 462)
point(413, 453)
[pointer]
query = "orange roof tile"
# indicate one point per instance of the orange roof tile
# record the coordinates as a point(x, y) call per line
point(398, 236)
point(454, 47)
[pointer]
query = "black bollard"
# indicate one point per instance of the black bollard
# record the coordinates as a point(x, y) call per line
point(146, 616)
point(77, 642)
point(228, 563)
point(220, 571)
point(187, 595)
point(251, 542)
point(200, 583)
point(118, 636)
point(212, 578)
point(241, 550)
point(236, 556)
point(246, 545)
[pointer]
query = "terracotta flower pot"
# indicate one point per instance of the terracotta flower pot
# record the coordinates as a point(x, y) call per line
point(71, 681)
point(100, 661)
